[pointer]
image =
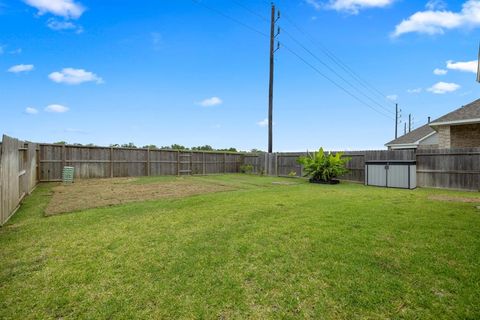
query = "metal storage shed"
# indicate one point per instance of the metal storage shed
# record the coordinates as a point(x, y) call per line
point(391, 173)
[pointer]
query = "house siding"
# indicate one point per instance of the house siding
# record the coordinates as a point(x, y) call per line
point(430, 141)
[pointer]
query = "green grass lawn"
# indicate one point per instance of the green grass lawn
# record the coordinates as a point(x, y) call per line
point(263, 251)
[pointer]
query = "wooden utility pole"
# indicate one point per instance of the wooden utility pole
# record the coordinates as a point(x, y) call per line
point(478, 66)
point(409, 122)
point(272, 67)
point(396, 120)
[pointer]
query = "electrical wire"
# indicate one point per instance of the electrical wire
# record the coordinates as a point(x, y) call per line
point(295, 54)
point(334, 82)
point(335, 59)
point(230, 18)
point(330, 55)
point(334, 71)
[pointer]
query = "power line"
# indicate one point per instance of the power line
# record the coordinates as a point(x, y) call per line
point(253, 12)
point(331, 56)
point(335, 83)
point(230, 18)
point(295, 54)
point(339, 62)
point(333, 70)
point(335, 59)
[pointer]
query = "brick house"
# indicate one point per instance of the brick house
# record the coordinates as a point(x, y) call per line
point(457, 129)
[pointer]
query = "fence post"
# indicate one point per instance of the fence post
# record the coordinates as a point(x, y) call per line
point(148, 162)
point(64, 156)
point(265, 164)
point(203, 162)
point(225, 163)
point(276, 164)
point(111, 162)
point(178, 162)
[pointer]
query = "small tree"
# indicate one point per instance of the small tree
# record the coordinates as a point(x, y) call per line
point(178, 147)
point(322, 167)
point(129, 145)
point(150, 146)
point(203, 148)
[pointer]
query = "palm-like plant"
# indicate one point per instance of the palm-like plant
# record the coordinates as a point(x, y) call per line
point(323, 167)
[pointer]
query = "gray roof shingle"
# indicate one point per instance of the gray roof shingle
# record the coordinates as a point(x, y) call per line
point(467, 112)
point(413, 136)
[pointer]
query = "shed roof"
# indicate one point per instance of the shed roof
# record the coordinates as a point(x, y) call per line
point(413, 136)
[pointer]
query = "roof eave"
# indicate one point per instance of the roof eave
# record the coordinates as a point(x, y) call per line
point(455, 122)
point(415, 143)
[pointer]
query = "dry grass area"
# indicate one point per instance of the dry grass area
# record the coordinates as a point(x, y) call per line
point(94, 193)
point(442, 197)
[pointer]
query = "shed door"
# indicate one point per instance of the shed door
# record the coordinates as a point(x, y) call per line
point(377, 175)
point(398, 176)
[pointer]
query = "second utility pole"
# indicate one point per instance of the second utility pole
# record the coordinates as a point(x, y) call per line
point(270, 88)
point(396, 120)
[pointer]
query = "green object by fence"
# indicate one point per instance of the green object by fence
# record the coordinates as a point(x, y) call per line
point(67, 174)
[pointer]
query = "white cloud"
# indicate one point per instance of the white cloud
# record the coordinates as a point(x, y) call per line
point(210, 102)
point(314, 3)
point(56, 108)
point(392, 97)
point(416, 90)
point(443, 87)
point(74, 76)
point(68, 9)
point(31, 110)
point(21, 68)
point(263, 123)
point(63, 25)
point(466, 66)
point(16, 51)
point(437, 21)
point(436, 5)
point(440, 72)
point(354, 6)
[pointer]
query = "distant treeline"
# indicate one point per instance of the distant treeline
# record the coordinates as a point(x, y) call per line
point(152, 146)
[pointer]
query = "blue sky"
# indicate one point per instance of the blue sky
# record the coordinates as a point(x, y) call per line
point(163, 72)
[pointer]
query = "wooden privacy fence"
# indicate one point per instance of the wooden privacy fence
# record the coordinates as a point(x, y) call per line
point(24, 164)
point(110, 162)
point(285, 164)
point(449, 168)
point(18, 174)
point(436, 168)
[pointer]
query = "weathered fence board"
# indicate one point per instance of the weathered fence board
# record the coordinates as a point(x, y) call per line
point(106, 162)
point(18, 174)
point(449, 168)
point(453, 168)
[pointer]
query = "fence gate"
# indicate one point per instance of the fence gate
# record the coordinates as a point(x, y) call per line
point(391, 174)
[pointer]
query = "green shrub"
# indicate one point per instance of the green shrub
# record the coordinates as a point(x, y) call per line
point(246, 168)
point(320, 166)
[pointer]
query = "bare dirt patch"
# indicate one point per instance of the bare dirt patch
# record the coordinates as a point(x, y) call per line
point(87, 194)
point(454, 199)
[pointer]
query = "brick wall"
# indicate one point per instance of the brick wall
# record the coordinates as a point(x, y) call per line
point(444, 141)
point(465, 136)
